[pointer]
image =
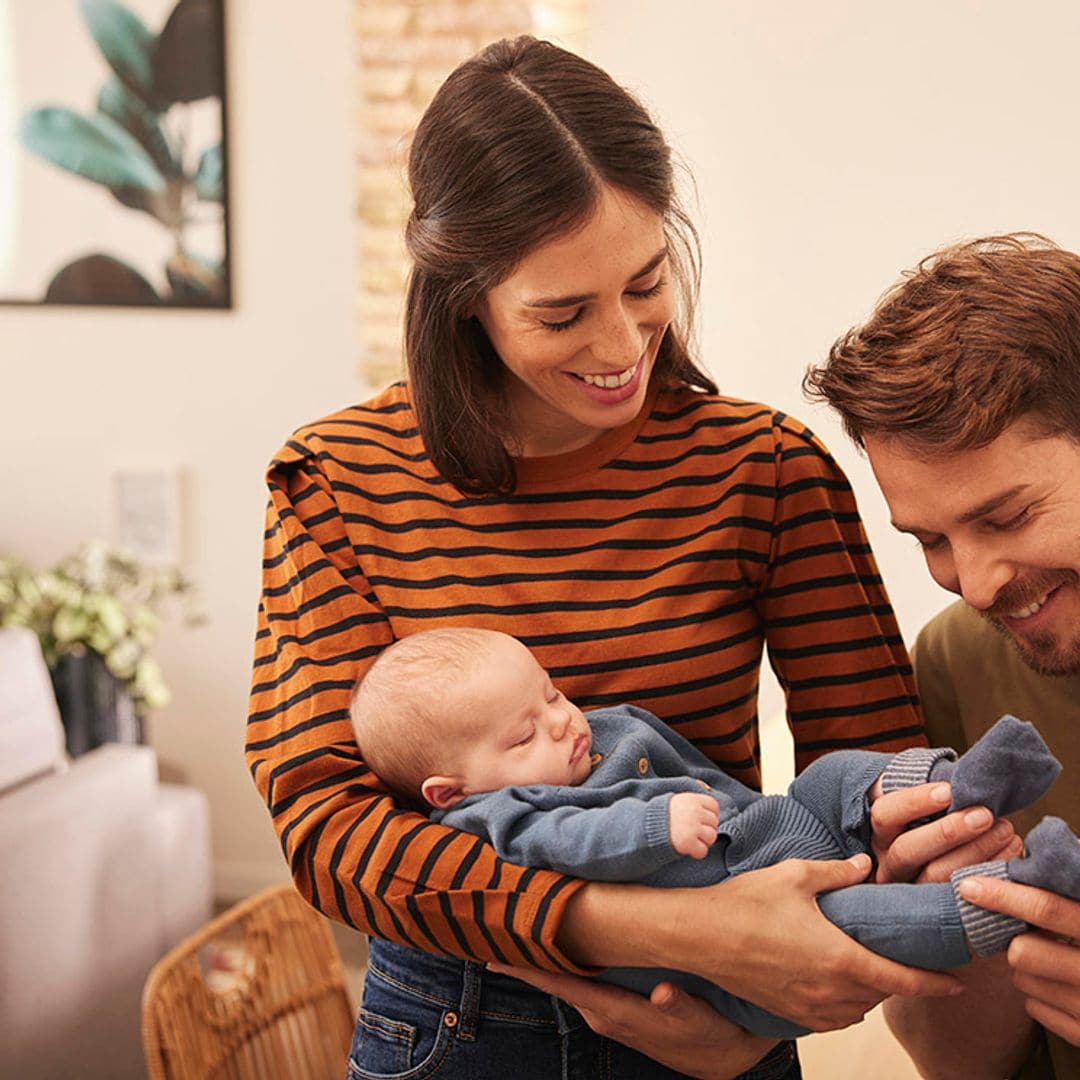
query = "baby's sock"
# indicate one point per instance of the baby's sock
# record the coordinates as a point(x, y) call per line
point(1006, 770)
point(1051, 860)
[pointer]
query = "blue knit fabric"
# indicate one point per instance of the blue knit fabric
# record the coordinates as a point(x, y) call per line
point(608, 829)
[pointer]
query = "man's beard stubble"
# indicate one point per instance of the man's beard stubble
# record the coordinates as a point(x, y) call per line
point(1040, 651)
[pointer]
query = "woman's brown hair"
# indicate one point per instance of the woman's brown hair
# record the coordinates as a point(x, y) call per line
point(514, 150)
point(978, 336)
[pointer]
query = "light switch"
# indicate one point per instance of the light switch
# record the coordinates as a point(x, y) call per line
point(149, 513)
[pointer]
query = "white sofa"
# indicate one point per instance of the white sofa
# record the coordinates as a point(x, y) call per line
point(102, 870)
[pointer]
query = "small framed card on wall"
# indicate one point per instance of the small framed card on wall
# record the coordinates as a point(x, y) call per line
point(113, 165)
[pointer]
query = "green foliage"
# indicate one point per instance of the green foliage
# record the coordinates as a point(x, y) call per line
point(95, 147)
point(210, 175)
point(98, 599)
point(125, 43)
point(115, 100)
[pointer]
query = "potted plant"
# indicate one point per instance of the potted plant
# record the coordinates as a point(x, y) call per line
point(97, 614)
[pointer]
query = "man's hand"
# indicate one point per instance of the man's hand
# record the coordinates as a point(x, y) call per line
point(680, 1031)
point(790, 959)
point(1045, 963)
point(692, 822)
point(933, 851)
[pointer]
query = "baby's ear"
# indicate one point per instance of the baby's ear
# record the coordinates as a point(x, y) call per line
point(442, 792)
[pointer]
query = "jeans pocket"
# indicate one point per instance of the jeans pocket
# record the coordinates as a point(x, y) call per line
point(398, 1034)
point(384, 1046)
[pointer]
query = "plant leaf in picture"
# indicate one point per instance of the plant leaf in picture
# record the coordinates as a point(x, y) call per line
point(195, 280)
point(95, 147)
point(210, 175)
point(166, 206)
point(100, 279)
point(125, 42)
point(187, 60)
point(115, 100)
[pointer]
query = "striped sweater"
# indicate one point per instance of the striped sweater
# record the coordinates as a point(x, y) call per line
point(649, 568)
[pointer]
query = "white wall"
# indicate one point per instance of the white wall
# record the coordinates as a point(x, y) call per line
point(835, 143)
point(83, 391)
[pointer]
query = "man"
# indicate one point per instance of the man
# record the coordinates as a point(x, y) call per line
point(963, 388)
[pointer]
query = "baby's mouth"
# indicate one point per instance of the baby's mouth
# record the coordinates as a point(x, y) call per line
point(581, 747)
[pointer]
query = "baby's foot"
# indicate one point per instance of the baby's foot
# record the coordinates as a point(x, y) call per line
point(1051, 861)
point(1006, 770)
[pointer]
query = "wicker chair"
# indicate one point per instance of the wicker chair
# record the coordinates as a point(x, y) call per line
point(258, 992)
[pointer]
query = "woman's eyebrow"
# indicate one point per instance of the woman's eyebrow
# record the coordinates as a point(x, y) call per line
point(580, 298)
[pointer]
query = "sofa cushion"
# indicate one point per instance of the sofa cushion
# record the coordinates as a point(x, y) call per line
point(31, 734)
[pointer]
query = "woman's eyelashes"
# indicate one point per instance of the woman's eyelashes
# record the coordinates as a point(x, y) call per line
point(634, 294)
point(566, 323)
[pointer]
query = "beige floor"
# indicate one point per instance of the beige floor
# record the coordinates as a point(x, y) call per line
point(866, 1050)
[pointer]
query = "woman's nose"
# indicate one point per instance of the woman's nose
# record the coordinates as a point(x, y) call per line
point(618, 343)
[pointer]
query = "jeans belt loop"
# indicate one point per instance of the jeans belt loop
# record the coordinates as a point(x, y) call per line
point(471, 983)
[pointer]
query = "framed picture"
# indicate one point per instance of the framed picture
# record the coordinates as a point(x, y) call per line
point(113, 170)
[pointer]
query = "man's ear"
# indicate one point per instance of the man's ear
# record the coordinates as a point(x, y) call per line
point(442, 792)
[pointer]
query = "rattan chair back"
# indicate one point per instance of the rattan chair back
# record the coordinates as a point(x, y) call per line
point(259, 992)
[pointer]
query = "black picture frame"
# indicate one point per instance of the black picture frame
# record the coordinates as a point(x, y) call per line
point(116, 191)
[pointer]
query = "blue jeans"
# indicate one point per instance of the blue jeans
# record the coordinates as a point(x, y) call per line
point(429, 1016)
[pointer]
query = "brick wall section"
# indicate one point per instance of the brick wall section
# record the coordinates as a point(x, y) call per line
point(405, 50)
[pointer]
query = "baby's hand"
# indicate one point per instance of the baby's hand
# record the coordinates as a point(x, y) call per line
point(692, 823)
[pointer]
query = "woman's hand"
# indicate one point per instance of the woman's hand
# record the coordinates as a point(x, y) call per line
point(789, 959)
point(670, 1026)
point(933, 851)
point(1045, 963)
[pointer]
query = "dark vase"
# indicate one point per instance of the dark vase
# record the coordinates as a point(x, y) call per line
point(95, 705)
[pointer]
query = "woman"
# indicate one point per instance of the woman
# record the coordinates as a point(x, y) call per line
point(556, 466)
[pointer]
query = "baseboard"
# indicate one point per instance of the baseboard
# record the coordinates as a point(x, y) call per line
point(234, 880)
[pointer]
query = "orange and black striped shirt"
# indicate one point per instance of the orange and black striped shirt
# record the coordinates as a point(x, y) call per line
point(649, 568)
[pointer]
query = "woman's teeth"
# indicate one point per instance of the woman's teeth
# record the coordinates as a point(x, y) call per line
point(610, 382)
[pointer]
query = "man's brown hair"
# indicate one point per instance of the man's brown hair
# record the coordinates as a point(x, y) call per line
point(976, 337)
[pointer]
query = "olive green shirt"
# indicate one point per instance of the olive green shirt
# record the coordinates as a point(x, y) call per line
point(968, 674)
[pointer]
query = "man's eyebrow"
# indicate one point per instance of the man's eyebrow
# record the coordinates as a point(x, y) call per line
point(580, 298)
point(987, 506)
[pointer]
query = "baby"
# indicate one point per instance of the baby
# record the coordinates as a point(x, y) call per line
point(469, 723)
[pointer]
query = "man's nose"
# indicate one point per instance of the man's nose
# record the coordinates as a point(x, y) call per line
point(981, 575)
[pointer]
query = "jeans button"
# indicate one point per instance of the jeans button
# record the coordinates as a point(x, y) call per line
point(451, 1019)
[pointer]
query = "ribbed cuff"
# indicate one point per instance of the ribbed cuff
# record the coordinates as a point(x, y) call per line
point(988, 932)
point(658, 823)
point(912, 767)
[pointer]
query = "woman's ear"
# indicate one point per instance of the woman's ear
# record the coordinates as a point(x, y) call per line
point(442, 792)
